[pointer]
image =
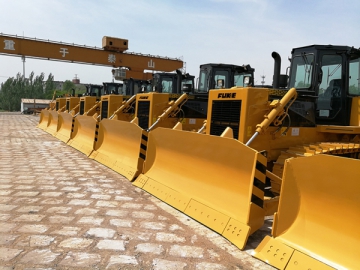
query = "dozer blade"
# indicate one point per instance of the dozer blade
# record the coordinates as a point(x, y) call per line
point(53, 122)
point(121, 146)
point(317, 224)
point(83, 134)
point(44, 119)
point(217, 181)
point(64, 127)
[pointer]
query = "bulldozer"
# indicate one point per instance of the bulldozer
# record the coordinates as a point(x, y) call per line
point(49, 117)
point(259, 156)
point(50, 125)
point(129, 120)
point(121, 145)
point(78, 105)
point(84, 131)
point(81, 134)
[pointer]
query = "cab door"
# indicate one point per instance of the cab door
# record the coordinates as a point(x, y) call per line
point(332, 106)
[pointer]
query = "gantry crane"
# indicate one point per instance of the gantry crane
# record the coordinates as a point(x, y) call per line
point(112, 54)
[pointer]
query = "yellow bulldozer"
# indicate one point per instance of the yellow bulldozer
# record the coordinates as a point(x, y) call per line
point(120, 104)
point(172, 103)
point(49, 117)
point(292, 149)
point(120, 137)
point(69, 103)
point(80, 105)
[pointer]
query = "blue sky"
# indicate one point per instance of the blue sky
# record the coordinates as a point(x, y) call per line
point(198, 31)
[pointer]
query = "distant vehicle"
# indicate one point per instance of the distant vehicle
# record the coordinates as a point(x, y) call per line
point(31, 111)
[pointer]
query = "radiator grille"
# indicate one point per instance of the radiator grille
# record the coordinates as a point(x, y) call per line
point(104, 109)
point(225, 114)
point(82, 107)
point(143, 114)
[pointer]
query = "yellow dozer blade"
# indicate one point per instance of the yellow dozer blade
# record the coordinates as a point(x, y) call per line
point(53, 122)
point(121, 145)
point(117, 147)
point(317, 223)
point(44, 119)
point(84, 133)
point(85, 125)
point(53, 115)
point(65, 125)
point(217, 181)
point(44, 114)
point(66, 119)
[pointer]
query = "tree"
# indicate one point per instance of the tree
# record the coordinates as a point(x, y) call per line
point(5, 102)
point(49, 87)
point(14, 89)
point(68, 86)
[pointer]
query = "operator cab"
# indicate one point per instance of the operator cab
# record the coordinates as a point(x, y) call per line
point(133, 86)
point(94, 90)
point(217, 76)
point(112, 88)
point(172, 83)
point(329, 75)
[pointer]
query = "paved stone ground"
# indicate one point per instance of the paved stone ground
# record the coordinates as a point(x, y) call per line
point(62, 210)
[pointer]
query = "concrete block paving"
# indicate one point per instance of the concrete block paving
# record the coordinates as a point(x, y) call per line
point(61, 210)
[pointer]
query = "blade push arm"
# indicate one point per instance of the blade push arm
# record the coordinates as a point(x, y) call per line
point(277, 114)
point(125, 107)
point(173, 109)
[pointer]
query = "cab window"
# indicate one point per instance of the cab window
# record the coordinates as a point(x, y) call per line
point(331, 75)
point(330, 89)
point(354, 77)
point(301, 71)
point(203, 81)
point(166, 85)
point(123, 89)
point(239, 78)
point(221, 79)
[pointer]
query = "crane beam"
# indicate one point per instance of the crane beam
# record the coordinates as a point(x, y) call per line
point(136, 63)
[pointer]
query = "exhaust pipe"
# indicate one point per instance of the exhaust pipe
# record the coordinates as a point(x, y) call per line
point(277, 69)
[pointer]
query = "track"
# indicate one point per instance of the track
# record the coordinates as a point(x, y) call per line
point(349, 150)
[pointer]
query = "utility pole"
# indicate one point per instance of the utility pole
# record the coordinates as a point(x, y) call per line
point(23, 59)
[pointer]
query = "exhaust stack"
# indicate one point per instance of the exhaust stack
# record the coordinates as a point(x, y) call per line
point(277, 69)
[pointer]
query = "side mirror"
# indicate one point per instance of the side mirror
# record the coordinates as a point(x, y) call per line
point(283, 80)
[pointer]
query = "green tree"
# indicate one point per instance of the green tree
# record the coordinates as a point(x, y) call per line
point(49, 87)
point(5, 93)
point(14, 89)
point(68, 86)
point(34, 86)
